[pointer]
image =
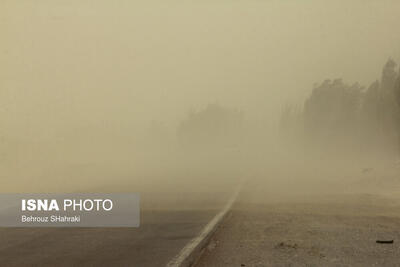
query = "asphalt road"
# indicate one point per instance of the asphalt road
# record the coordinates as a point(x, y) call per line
point(161, 236)
point(167, 225)
point(175, 206)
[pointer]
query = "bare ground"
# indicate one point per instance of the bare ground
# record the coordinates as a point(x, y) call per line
point(315, 227)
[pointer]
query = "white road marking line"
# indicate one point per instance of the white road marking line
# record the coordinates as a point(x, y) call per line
point(188, 255)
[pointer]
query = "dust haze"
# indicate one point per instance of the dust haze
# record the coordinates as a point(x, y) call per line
point(301, 96)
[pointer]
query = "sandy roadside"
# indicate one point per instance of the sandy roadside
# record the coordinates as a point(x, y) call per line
point(269, 227)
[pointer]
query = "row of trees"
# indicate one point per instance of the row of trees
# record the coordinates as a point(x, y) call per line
point(214, 127)
point(349, 114)
point(335, 115)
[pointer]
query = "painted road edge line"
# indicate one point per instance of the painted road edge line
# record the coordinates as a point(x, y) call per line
point(192, 251)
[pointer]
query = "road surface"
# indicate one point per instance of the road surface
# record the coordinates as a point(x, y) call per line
point(170, 218)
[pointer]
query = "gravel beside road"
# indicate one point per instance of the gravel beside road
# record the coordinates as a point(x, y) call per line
point(336, 230)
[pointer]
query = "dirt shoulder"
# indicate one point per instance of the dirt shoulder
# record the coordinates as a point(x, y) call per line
point(329, 219)
point(312, 233)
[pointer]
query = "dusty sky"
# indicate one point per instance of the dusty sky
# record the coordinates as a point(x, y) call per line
point(129, 62)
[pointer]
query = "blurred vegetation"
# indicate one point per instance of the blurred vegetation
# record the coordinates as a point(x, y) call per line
point(342, 116)
point(214, 127)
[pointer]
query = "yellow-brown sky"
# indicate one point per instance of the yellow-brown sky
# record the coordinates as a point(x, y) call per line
point(130, 62)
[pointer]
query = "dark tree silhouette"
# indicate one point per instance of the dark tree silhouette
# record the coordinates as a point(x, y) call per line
point(388, 110)
point(338, 113)
point(397, 97)
point(332, 109)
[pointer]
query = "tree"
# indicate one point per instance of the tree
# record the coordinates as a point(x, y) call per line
point(397, 97)
point(388, 109)
point(332, 109)
point(212, 127)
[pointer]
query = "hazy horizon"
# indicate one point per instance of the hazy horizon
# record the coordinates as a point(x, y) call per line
point(89, 77)
point(137, 62)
